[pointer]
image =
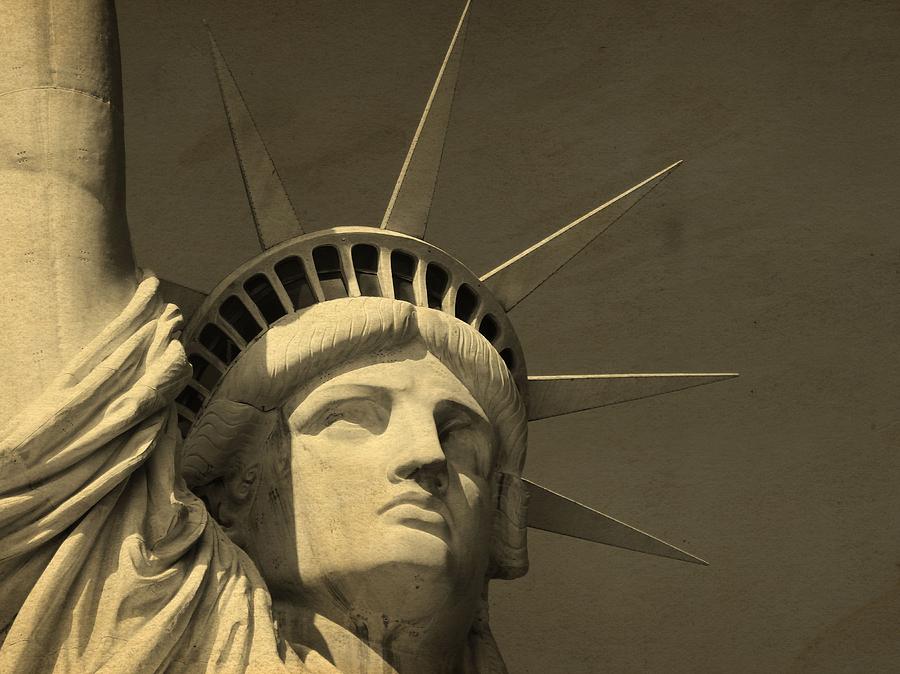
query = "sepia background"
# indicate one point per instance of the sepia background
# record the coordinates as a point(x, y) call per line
point(773, 251)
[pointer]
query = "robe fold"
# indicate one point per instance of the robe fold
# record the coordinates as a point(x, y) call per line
point(108, 563)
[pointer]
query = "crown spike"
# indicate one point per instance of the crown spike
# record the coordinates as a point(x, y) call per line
point(407, 210)
point(556, 513)
point(519, 276)
point(273, 213)
point(551, 396)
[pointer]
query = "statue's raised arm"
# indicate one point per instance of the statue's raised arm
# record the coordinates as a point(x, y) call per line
point(106, 561)
point(66, 267)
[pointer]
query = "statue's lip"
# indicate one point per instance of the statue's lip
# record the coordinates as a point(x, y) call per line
point(421, 500)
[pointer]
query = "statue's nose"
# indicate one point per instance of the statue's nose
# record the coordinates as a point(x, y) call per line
point(432, 477)
point(420, 456)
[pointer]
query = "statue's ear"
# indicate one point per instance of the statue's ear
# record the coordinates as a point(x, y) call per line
point(509, 541)
point(227, 444)
point(237, 492)
point(241, 482)
point(226, 501)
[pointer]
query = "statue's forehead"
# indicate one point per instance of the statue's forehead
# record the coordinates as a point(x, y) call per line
point(411, 370)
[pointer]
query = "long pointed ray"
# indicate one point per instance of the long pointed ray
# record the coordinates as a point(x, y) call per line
point(550, 396)
point(187, 299)
point(273, 213)
point(407, 211)
point(518, 277)
point(553, 512)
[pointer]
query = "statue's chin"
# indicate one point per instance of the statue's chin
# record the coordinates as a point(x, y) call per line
point(417, 549)
point(408, 579)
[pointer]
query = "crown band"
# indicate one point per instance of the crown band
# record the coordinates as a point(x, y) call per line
point(326, 265)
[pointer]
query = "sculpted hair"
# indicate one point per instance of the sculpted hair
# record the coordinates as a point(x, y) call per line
point(311, 344)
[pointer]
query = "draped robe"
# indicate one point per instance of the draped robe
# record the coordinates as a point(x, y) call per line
point(108, 563)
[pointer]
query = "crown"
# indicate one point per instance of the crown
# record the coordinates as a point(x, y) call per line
point(294, 270)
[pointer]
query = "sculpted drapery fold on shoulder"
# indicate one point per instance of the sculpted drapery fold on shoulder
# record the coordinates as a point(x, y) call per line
point(106, 559)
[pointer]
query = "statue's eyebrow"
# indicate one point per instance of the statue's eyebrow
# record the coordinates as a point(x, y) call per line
point(340, 392)
point(354, 390)
point(461, 405)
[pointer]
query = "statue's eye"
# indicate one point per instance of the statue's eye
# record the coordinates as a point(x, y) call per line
point(354, 413)
point(467, 444)
point(332, 417)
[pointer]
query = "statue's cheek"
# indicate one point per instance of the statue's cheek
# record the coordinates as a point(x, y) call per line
point(475, 494)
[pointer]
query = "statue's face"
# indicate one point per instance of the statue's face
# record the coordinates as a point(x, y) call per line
point(390, 480)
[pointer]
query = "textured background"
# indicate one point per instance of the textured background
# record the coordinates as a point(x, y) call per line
point(773, 251)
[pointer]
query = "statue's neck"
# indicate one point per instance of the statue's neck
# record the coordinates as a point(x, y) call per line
point(360, 644)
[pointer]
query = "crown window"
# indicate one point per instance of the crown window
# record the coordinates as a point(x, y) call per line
point(365, 262)
point(204, 374)
point(218, 343)
point(292, 275)
point(466, 303)
point(331, 276)
point(403, 270)
point(264, 296)
point(190, 398)
point(488, 328)
point(237, 316)
point(436, 282)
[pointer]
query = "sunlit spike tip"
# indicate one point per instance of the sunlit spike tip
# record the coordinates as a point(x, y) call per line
point(551, 396)
point(518, 277)
point(273, 213)
point(410, 202)
point(553, 512)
